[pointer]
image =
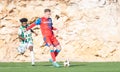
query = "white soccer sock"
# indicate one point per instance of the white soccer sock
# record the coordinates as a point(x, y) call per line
point(32, 57)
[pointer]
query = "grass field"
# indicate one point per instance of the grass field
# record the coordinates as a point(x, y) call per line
point(75, 67)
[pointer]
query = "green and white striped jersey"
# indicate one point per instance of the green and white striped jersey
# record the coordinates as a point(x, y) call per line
point(25, 34)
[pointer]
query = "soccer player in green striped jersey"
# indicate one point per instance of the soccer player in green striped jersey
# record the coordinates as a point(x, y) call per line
point(26, 40)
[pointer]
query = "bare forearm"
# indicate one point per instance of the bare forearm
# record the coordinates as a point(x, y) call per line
point(53, 28)
point(21, 38)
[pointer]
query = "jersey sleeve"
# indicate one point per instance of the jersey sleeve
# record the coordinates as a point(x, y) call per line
point(38, 21)
point(19, 31)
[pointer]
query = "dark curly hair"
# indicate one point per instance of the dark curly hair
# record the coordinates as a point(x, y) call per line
point(23, 20)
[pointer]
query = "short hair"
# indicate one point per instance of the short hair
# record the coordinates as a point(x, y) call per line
point(23, 20)
point(47, 10)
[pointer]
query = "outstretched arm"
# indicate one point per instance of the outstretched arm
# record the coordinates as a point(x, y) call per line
point(37, 22)
point(31, 26)
point(21, 38)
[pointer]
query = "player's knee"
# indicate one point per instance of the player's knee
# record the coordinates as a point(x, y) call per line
point(31, 48)
point(57, 50)
point(58, 47)
point(51, 47)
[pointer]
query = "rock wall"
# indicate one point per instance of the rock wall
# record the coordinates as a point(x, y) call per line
point(89, 30)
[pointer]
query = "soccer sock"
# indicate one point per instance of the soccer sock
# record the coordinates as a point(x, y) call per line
point(32, 57)
point(53, 55)
point(56, 52)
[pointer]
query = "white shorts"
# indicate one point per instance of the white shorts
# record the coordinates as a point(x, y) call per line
point(23, 46)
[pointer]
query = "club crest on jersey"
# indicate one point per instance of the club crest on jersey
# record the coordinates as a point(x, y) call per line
point(47, 22)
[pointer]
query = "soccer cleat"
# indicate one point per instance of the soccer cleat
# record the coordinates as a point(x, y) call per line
point(56, 64)
point(50, 60)
point(33, 64)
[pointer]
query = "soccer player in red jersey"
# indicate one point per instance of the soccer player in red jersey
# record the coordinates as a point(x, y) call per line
point(46, 27)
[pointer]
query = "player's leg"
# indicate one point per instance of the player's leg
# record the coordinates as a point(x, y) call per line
point(52, 53)
point(22, 48)
point(53, 60)
point(49, 44)
point(48, 40)
point(30, 46)
point(57, 45)
point(58, 49)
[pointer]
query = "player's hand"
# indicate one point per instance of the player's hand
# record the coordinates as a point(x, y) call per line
point(57, 36)
point(36, 34)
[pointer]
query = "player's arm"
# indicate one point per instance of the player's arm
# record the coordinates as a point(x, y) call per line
point(56, 31)
point(37, 22)
point(34, 32)
point(53, 28)
point(20, 37)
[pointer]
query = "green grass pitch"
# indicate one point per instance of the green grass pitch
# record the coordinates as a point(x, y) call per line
point(47, 67)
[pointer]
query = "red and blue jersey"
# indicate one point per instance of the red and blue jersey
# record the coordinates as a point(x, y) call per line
point(46, 29)
point(45, 25)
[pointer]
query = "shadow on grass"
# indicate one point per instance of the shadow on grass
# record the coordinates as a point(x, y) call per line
point(47, 65)
point(61, 65)
point(43, 65)
point(77, 65)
